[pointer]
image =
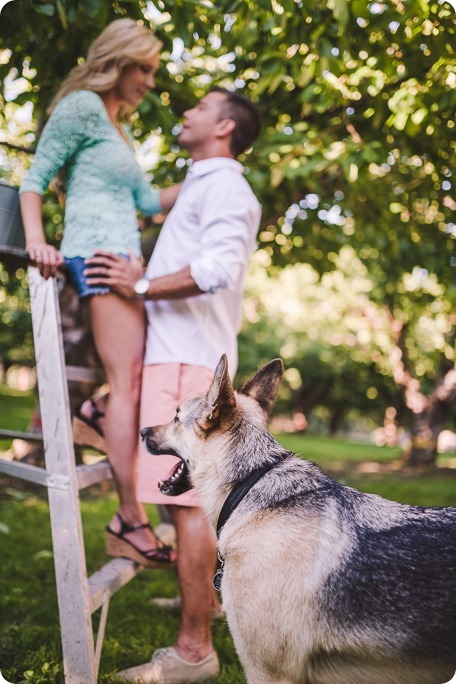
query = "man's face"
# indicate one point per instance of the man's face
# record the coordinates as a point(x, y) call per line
point(201, 124)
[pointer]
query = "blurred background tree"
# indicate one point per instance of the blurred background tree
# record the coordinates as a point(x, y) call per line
point(354, 168)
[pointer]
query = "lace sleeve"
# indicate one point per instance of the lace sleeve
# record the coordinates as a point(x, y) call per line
point(147, 199)
point(67, 128)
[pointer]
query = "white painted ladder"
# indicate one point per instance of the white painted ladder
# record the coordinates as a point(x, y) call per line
point(78, 595)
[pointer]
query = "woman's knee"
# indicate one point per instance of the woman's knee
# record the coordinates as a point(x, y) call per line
point(125, 372)
point(127, 388)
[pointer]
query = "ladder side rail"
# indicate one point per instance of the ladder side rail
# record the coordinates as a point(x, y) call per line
point(66, 525)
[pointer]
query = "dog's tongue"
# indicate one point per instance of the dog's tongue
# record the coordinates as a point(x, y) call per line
point(173, 472)
point(177, 481)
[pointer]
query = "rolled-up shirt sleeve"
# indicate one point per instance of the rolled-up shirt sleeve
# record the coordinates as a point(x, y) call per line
point(226, 239)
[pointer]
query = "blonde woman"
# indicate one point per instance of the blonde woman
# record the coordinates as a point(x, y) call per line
point(84, 138)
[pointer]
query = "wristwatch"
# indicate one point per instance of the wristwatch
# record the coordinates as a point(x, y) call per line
point(141, 286)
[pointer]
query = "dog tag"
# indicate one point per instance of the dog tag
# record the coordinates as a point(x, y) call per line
point(217, 580)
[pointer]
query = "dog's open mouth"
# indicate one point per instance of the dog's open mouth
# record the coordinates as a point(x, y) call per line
point(177, 482)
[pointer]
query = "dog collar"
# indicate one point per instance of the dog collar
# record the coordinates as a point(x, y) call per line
point(232, 501)
point(235, 497)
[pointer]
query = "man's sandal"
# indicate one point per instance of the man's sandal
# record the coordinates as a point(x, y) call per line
point(87, 431)
point(119, 547)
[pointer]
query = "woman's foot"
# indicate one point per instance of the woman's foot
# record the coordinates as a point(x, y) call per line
point(92, 412)
point(88, 424)
point(138, 542)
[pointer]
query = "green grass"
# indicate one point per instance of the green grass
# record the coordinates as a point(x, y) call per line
point(15, 411)
point(376, 470)
point(331, 451)
point(30, 648)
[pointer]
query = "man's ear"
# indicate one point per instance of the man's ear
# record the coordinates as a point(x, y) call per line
point(221, 394)
point(225, 127)
point(263, 385)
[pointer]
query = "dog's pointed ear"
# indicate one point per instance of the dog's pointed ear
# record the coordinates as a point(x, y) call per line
point(263, 385)
point(221, 393)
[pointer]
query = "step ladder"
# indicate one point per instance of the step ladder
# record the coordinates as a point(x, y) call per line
point(78, 595)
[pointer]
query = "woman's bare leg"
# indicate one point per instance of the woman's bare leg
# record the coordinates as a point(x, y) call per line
point(119, 331)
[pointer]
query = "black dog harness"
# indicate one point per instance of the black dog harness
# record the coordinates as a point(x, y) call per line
point(232, 501)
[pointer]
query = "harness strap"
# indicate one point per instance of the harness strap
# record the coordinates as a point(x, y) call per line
point(235, 497)
point(232, 501)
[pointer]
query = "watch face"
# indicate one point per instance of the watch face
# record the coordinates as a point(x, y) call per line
point(141, 286)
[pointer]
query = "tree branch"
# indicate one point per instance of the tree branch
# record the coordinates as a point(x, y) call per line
point(18, 148)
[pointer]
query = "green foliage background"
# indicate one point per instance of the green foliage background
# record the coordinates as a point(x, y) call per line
point(357, 148)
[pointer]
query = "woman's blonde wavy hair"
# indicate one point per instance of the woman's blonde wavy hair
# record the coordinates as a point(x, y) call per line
point(122, 43)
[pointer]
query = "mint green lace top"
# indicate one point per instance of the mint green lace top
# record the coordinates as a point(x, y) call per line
point(104, 183)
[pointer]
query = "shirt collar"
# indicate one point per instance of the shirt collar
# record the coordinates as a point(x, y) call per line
point(205, 166)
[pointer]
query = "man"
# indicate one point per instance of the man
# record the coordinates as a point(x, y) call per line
point(193, 290)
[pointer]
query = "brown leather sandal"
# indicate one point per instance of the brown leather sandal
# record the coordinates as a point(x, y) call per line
point(119, 547)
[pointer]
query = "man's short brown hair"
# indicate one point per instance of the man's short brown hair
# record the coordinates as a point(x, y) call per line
point(246, 117)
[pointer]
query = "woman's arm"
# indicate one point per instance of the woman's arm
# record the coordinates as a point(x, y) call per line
point(69, 125)
point(46, 257)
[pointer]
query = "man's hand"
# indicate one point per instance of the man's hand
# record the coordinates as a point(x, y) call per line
point(105, 268)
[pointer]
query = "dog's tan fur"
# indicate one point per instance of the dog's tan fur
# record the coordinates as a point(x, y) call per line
point(294, 554)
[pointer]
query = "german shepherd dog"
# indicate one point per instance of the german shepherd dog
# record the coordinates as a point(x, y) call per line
point(321, 583)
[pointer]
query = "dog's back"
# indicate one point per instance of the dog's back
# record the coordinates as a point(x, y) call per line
point(344, 587)
point(350, 587)
point(322, 584)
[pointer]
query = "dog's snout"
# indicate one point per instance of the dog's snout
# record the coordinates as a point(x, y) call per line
point(143, 432)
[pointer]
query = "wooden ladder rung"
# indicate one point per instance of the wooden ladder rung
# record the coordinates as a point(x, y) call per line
point(27, 436)
point(83, 374)
point(110, 578)
point(89, 475)
point(24, 471)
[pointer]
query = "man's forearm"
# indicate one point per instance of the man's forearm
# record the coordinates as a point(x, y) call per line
point(174, 286)
point(168, 196)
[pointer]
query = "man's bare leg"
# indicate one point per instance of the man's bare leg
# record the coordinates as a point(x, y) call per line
point(196, 562)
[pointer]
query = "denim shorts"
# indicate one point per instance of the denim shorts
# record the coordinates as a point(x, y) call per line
point(75, 267)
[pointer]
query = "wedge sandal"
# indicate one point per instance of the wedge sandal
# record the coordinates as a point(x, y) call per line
point(118, 546)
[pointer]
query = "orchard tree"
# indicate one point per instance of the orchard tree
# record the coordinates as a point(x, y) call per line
point(357, 146)
point(337, 343)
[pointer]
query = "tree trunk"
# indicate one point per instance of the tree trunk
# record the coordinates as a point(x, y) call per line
point(428, 412)
point(425, 431)
point(429, 423)
point(310, 395)
point(335, 419)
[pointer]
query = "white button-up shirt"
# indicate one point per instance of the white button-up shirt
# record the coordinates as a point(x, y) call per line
point(212, 227)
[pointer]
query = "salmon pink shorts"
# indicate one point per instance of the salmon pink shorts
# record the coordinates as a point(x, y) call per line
point(164, 387)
